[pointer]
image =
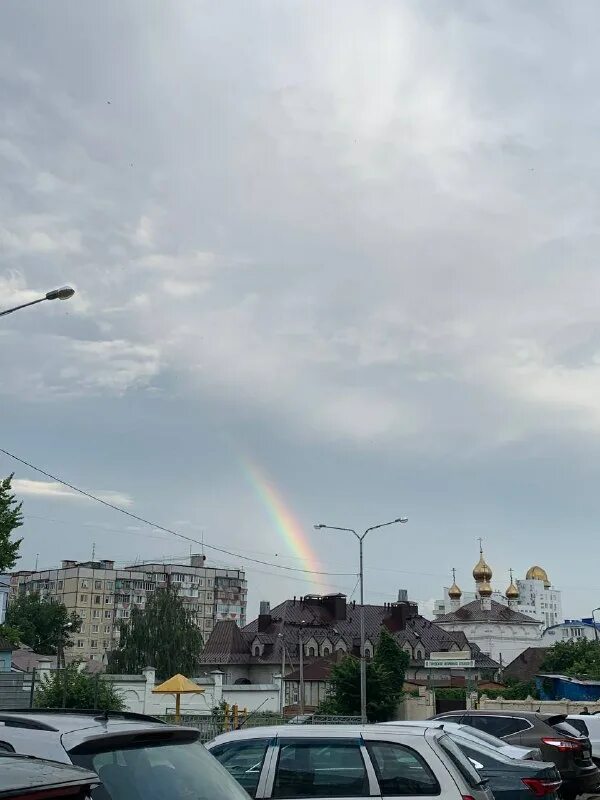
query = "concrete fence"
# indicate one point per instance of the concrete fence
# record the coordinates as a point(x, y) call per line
point(544, 706)
point(136, 692)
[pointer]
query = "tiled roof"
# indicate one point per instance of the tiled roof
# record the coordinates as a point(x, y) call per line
point(293, 619)
point(473, 612)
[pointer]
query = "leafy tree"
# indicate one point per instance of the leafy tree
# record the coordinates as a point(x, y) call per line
point(72, 688)
point(11, 518)
point(12, 635)
point(164, 635)
point(44, 625)
point(385, 678)
point(578, 659)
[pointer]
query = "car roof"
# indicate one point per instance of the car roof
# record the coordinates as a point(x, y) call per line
point(506, 712)
point(66, 721)
point(316, 731)
point(23, 773)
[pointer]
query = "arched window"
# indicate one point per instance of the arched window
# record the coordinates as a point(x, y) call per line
point(256, 650)
point(368, 653)
point(311, 651)
point(326, 651)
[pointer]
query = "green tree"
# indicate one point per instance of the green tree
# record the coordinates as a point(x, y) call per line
point(44, 625)
point(11, 518)
point(577, 659)
point(164, 635)
point(72, 688)
point(385, 678)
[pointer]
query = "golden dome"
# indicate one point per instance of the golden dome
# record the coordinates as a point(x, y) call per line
point(512, 592)
point(454, 592)
point(536, 573)
point(481, 570)
point(485, 590)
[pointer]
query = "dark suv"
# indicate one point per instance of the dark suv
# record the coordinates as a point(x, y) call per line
point(557, 740)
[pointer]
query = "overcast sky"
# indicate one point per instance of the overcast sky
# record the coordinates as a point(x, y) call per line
point(352, 243)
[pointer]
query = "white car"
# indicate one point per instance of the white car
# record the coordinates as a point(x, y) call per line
point(588, 725)
point(475, 735)
point(348, 761)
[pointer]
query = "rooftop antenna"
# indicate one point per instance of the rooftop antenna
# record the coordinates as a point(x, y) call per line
point(37, 555)
point(93, 551)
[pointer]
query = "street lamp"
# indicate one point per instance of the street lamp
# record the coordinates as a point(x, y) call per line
point(594, 624)
point(363, 662)
point(64, 293)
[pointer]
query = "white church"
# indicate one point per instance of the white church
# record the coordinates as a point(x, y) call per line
point(501, 627)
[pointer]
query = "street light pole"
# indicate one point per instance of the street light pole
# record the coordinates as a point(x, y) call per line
point(63, 293)
point(594, 624)
point(363, 661)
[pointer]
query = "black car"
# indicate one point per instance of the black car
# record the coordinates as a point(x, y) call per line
point(510, 778)
point(28, 778)
point(557, 740)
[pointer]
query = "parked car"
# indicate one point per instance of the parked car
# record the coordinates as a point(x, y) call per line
point(558, 741)
point(349, 761)
point(468, 732)
point(136, 757)
point(588, 725)
point(28, 778)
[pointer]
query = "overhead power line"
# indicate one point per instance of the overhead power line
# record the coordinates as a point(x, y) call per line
point(155, 525)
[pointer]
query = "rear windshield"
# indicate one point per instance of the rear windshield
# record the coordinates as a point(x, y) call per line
point(487, 738)
point(184, 771)
point(580, 725)
point(567, 729)
point(461, 762)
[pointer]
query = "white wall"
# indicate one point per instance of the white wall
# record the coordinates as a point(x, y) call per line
point(136, 691)
point(501, 642)
point(571, 631)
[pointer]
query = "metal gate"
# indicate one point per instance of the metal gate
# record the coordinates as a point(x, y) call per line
point(445, 704)
point(16, 690)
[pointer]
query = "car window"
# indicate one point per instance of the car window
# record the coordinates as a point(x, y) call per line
point(485, 738)
point(580, 725)
point(401, 771)
point(475, 755)
point(243, 760)
point(320, 768)
point(498, 726)
point(461, 762)
point(159, 772)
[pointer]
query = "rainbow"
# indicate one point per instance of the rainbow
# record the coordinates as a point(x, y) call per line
point(283, 519)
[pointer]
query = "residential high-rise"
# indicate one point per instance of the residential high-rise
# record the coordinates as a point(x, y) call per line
point(103, 596)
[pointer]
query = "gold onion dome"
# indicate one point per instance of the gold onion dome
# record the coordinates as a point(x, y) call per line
point(485, 590)
point(512, 592)
point(481, 570)
point(454, 592)
point(536, 573)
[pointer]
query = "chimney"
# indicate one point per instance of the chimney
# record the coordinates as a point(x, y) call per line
point(67, 564)
point(399, 615)
point(403, 595)
point(264, 616)
point(197, 560)
point(336, 605)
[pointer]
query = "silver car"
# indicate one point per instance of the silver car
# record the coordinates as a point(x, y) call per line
point(467, 732)
point(349, 761)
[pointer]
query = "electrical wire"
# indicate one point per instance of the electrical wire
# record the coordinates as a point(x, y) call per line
point(155, 525)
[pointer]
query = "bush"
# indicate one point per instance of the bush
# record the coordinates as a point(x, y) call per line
point(71, 688)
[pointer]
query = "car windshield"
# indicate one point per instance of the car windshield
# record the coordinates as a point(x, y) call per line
point(160, 772)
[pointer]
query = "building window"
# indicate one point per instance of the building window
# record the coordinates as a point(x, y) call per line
point(97, 584)
point(326, 651)
point(105, 644)
point(80, 642)
point(95, 613)
point(94, 644)
point(82, 629)
point(256, 651)
point(110, 585)
point(59, 585)
point(94, 629)
point(83, 598)
point(97, 599)
point(82, 612)
point(107, 629)
point(311, 651)
point(108, 599)
point(107, 614)
point(84, 584)
point(139, 598)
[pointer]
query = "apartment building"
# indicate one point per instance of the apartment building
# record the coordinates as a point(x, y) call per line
point(103, 596)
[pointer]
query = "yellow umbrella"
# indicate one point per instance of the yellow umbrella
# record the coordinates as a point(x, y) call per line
point(178, 685)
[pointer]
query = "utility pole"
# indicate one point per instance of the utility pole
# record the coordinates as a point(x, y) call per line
point(363, 659)
point(301, 670)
